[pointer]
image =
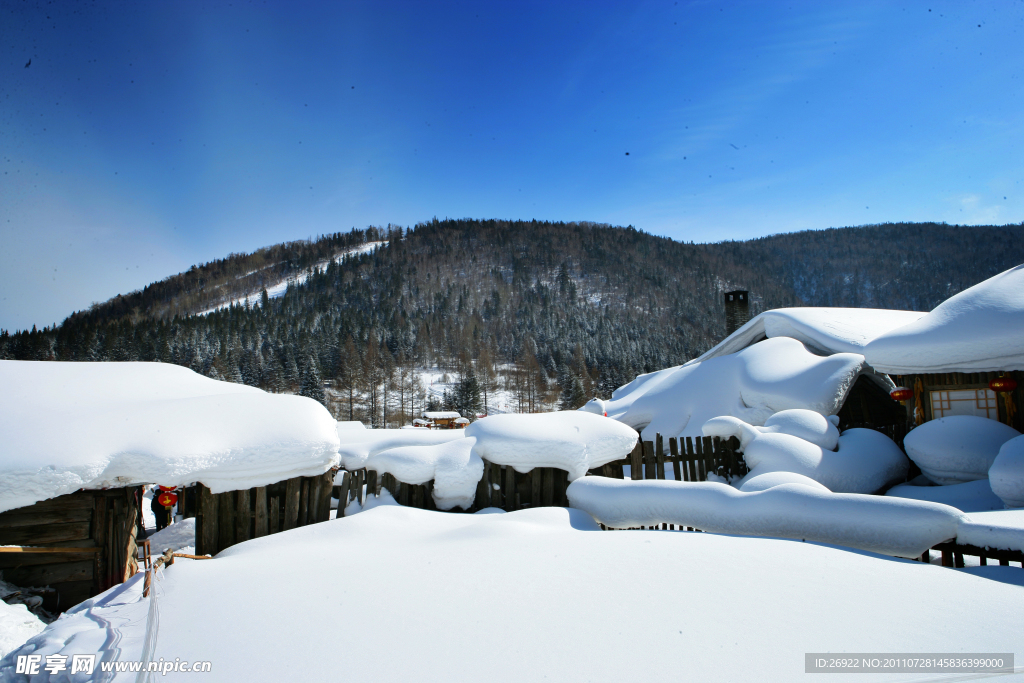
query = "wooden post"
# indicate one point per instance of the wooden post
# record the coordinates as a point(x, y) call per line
point(346, 483)
point(291, 503)
point(243, 518)
point(417, 497)
point(510, 489)
point(303, 502)
point(497, 494)
point(636, 471)
point(691, 458)
point(261, 511)
point(206, 542)
point(650, 471)
point(536, 484)
point(548, 486)
point(428, 496)
point(313, 511)
point(326, 485)
point(275, 515)
point(659, 454)
point(226, 520)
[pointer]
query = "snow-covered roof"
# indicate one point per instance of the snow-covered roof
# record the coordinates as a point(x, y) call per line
point(824, 330)
point(980, 329)
point(752, 385)
point(68, 426)
point(441, 415)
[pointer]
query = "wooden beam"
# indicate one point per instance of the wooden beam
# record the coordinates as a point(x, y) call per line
point(36, 549)
point(209, 513)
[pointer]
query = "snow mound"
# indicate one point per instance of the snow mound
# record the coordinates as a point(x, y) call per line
point(17, 625)
point(972, 496)
point(454, 467)
point(864, 462)
point(1006, 475)
point(804, 424)
point(174, 536)
point(570, 440)
point(754, 384)
point(956, 449)
point(1003, 529)
point(890, 526)
point(70, 425)
point(772, 479)
point(977, 330)
point(359, 445)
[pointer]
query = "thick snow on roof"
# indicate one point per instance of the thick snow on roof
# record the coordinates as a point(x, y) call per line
point(359, 445)
point(569, 440)
point(825, 330)
point(752, 385)
point(68, 426)
point(703, 594)
point(979, 329)
point(441, 415)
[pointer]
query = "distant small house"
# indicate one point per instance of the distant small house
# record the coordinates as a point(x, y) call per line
point(966, 357)
point(441, 419)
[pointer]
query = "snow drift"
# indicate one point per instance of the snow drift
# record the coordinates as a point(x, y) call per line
point(453, 466)
point(958, 448)
point(570, 440)
point(977, 330)
point(890, 526)
point(753, 384)
point(972, 496)
point(1006, 475)
point(865, 461)
point(359, 445)
point(68, 426)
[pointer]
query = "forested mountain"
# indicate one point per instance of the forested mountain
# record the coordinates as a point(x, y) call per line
point(538, 309)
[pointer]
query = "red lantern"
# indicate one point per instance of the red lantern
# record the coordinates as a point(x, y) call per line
point(1003, 384)
point(167, 499)
point(901, 394)
point(167, 488)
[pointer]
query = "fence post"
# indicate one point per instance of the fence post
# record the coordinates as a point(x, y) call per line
point(659, 454)
point(673, 447)
point(635, 466)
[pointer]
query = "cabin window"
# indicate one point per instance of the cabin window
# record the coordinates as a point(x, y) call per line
point(980, 402)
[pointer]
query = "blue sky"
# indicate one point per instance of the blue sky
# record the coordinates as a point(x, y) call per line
point(146, 137)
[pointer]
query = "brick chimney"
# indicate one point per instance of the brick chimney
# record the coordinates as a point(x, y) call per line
point(737, 310)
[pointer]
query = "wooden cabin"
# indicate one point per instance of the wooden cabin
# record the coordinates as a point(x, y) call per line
point(224, 519)
point(963, 393)
point(79, 544)
point(441, 419)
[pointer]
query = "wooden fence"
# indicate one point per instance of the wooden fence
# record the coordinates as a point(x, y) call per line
point(224, 519)
point(687, 459)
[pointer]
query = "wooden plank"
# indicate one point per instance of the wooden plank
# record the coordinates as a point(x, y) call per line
point(208, 505)
point(303, 502)
point(428, 496)
point(80, 500)
point(548, 486)
point(260, 528)
point(648, 462)
point(343, 492)
point(274, 513)
point(22, 517)
point(659, 454)
point(225, 520)
point(46, 574)
point(510, 489)
point(243, 516)
point(497, 494)
point(636, 471)
point(31, 549)
point(709, 456)
point(291, 503)
point(325, 494)
point(47, 533)
point(417, 497)
point(313, 513)
point(673, 447)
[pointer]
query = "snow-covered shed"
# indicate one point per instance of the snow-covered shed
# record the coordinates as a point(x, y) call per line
point(810, 358)
point(965, 357)
point(441, 419)
point(81, 438)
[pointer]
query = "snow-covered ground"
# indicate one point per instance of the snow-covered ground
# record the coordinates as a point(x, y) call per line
point(277, 290)
point(399, 594)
